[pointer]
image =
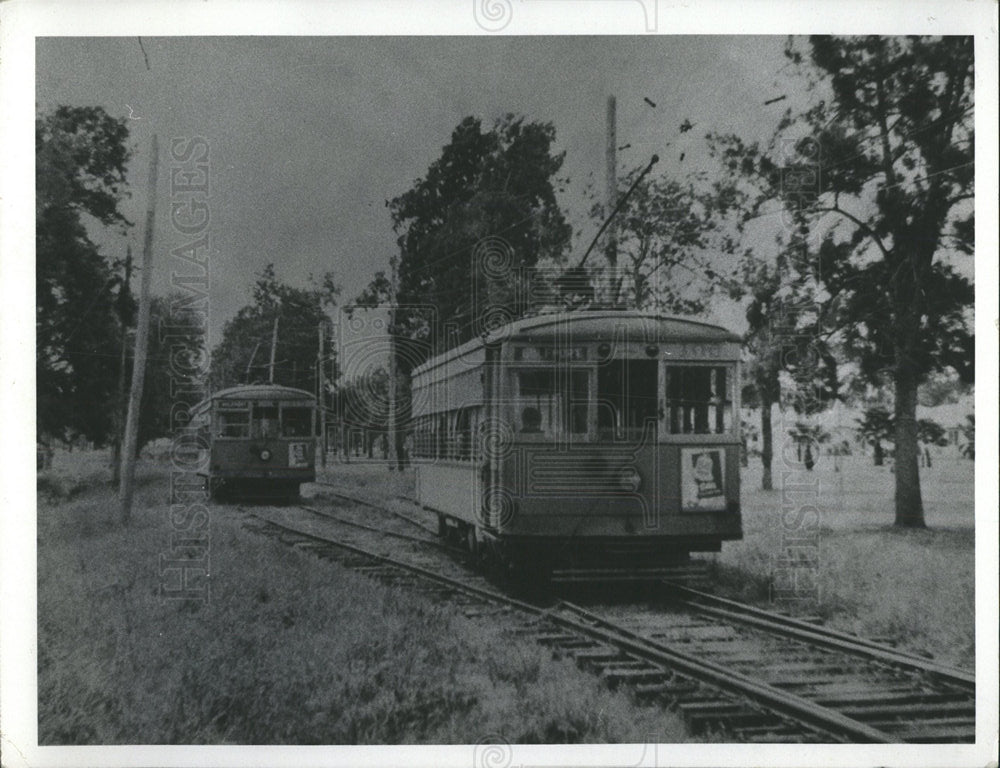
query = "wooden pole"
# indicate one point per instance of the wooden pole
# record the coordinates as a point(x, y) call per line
point(129, 451)
point(391, 437)
point(320, 400)
point(120, 402)
point(611, 157)
point(274, 347)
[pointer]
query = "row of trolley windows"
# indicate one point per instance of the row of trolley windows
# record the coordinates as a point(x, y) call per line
point(453, 435)
point(696, 399)
point(551, 402)
point(264, 421)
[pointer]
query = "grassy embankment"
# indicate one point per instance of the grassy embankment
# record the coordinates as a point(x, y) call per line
point(290, 649)
point(857, 571)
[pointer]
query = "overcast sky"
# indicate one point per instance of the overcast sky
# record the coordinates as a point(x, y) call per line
point(310, 136)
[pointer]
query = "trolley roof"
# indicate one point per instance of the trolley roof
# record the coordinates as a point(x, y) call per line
point(592, 326)
point(259, 392)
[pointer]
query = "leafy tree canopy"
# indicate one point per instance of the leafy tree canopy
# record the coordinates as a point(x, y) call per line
point(664, 231)
point(471, 229)
point(80, 162)
point(176, 343)
point(879, 172)
point(243, 355)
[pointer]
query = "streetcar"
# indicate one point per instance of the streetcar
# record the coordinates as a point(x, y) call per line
point(259, 440)
point(600, 442)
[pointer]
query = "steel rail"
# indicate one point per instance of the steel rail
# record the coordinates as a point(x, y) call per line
point(590, 625)
point(364, 526)
point(732, 610)
point(776, 699)
point(375, 505)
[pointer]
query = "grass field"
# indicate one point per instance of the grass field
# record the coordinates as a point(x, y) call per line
point(852, 567)
point(289, 650)
point(294, 650)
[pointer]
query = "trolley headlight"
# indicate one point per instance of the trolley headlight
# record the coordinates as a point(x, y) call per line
point(265, 455)
point(629, 479)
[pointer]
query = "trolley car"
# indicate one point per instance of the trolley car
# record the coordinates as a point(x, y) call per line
point(592, 441)
point(260, 440)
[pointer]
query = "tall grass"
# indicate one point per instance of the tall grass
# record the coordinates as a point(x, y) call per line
point(913, 588)
point(290, 649)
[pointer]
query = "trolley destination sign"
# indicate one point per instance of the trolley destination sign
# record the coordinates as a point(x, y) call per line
point(674, 350)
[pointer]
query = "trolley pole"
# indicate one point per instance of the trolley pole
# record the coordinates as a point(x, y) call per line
point(129, 451)
point(274, 347)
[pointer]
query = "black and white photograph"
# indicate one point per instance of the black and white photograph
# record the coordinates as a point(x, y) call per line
point(496, 383)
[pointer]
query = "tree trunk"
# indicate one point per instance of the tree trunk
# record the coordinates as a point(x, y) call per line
point(116, 461)
point(767, 446)
point(909, 503)
point(877, 454)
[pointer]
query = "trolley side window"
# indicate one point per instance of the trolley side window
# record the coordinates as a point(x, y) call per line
point(551, 401)
point(264, 421)
point(699, 399)
point(627, 396)
point(233, 424)
point(296, 422)
point(423, 438)
point(466, 425)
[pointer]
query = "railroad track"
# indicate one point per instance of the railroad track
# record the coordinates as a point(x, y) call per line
point(727, 668)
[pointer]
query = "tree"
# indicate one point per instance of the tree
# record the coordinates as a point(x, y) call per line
point(184, 347)
point(470, 234)
point(663, 230)
point(876, 427)
point(80, 160)
point(880, 169)
point(362, 406)
point(782, 339)
point(943, 387)
point(805, 436)
point(243, 355)
point(472, 229)
point(969, 433)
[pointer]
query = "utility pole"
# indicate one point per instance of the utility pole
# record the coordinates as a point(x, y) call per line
point(120, 402)
point(320, 399)
point(141, 347)
point(274, 347)
point(394, 458)
point(611, 192)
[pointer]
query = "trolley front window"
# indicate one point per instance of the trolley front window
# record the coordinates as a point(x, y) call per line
point(551, 401)
point(233, 424)
point(627, 397)
point(296, 422)
point(265, 421)
point(699, 399)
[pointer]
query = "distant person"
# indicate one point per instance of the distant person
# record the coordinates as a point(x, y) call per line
point(531, 420)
